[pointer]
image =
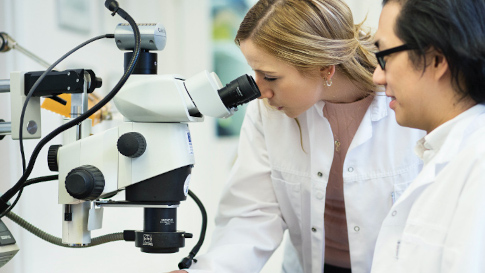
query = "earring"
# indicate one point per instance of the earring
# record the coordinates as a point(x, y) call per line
point(328, 81)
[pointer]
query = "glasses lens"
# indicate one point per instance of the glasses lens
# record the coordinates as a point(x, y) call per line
point(382, 63)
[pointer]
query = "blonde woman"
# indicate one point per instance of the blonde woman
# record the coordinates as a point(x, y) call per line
point(321, 155)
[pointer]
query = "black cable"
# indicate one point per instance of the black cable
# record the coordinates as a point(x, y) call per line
point(187, 261)
point(136, 52)
point(13, 204)
point(28, 183)
point(40, 179)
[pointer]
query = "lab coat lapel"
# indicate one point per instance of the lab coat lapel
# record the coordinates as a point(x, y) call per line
point(377, 110)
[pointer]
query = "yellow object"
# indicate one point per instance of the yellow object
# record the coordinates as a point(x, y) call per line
point(65, 110)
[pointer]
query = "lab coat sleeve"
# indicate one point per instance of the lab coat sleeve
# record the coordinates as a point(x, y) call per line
point(464, 249)
point(249, 225)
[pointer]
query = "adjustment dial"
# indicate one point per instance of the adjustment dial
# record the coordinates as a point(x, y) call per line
point(132, 144)
point(85, 182)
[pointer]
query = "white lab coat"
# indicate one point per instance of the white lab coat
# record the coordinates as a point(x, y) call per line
point(438, 224)
point(279, 182)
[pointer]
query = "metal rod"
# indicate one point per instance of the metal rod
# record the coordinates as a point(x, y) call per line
point(4, 86)
point(31, 55)
point(5, 128)
point(10, 43)
point(79, 105)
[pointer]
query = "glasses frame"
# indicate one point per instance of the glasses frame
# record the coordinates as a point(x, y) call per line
point(381, 54)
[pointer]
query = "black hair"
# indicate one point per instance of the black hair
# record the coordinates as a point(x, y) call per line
point(456, 29)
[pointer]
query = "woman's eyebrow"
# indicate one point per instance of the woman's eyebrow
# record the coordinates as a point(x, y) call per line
point(264, 71)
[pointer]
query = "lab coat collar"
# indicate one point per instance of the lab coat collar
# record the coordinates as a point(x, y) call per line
point(377, 109)
point(449, 134)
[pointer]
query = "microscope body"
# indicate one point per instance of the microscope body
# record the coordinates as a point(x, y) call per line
point(157, 109)
point(94, 168)
point(149, 156)
point(168, 147)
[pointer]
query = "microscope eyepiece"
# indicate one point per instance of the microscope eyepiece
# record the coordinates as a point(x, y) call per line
point(239, 91)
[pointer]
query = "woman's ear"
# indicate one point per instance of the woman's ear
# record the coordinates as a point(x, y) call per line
point(327, 72)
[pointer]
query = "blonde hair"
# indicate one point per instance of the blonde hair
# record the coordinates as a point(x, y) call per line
point(312, 33)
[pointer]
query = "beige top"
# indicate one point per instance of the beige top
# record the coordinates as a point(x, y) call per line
point(344, 120)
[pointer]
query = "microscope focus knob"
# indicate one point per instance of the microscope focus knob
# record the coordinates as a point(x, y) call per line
point(132, 144)
point(85, 182)
point(52, 158)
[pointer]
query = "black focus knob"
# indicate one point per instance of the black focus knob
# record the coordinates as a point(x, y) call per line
point(52, 158)
point(132, 144)
point(1, 120)
point(85, 182)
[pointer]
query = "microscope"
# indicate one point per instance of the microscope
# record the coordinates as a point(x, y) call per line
point(150, 155)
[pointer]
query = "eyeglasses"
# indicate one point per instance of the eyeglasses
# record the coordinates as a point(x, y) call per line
point(381, 54)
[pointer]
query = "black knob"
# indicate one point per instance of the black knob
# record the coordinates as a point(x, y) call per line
point(98, 82)
point(85, 182)
point(132, 144)
point(1, 120)
point(52, 158)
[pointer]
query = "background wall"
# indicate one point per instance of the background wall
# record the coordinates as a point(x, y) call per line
point(35, 25)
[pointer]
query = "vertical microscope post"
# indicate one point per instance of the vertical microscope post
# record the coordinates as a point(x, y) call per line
point(75, 216)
